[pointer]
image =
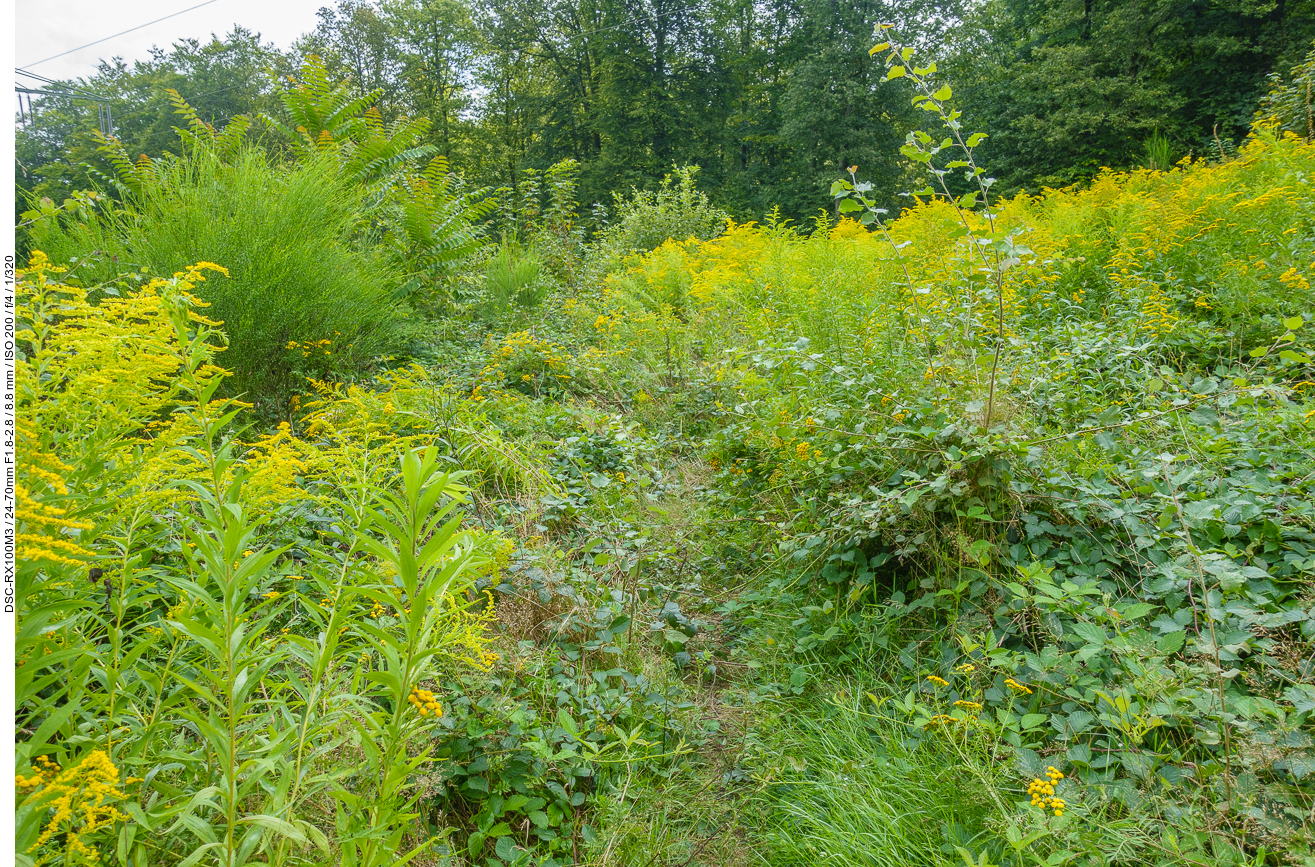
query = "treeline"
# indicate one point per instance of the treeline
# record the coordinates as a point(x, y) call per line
point(772, 99)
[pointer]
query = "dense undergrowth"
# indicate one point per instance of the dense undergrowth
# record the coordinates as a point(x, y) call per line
point(978, 536)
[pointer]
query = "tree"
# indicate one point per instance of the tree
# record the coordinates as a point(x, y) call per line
point(221, 78)
point(437, 44)
point(1068, 86)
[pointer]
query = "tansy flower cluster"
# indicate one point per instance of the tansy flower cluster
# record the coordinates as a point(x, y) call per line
point(423, 700)
point(1017, 687)
point(937, 681)
point(1043, 792)
point(43, 769)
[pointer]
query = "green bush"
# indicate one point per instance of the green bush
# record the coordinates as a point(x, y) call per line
point(514, 276)
point(302, 298)
point(675, 210)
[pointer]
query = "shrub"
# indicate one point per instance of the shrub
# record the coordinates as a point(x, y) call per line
point(1117, 571)
point(676, 210)
point(1290, 105)
point(513, 276)
point(302, 297)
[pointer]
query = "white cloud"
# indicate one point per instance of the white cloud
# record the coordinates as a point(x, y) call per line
point(52, 26)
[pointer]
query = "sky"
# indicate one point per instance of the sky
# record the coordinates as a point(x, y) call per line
point(48, 27)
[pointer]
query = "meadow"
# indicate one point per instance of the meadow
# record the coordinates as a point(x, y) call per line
point(438, 530)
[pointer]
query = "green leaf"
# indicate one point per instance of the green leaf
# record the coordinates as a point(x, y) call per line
point(1090, 633)
point(1292, 323)
point(565, 720)
point(279, 826)
point(895, 72)
point(1302, 698)
point(505, 848)
point(1171, 642)
point(196, 856)
point(975, 139)
point(943, 94)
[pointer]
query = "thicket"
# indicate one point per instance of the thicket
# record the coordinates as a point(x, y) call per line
point(980, 534)
point(301, 299)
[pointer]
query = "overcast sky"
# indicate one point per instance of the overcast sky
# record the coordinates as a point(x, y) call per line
point(46, 27)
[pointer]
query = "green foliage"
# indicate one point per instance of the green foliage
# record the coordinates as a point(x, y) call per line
point(521, 757)
point(302, 297)
point(676, 210)
point(1125, 538)
point(845, 778)
point(513, 276)
point(1157, 153)
point(1289, 102)
point(223, 686)
point(434, 227)
point(320, 115)
point(222, 77)
point(1039, 469)
point(1067, 89)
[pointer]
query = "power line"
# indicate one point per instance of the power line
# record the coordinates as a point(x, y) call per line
point(68, 92)
point(40, 78)
point(129, 30)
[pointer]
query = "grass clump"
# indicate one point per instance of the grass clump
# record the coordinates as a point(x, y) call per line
point(847, 786)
